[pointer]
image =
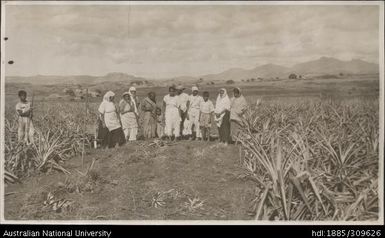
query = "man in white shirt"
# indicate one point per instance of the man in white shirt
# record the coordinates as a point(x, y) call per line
point(183, 100)
point(171, 115)
point(193, 111)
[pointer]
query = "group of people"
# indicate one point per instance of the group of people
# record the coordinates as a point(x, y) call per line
point(181, 116)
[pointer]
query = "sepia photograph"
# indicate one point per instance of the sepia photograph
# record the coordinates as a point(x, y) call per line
point(127, 112)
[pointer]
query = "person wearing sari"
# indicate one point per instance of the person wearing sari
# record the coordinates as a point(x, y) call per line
point(159, 123)
point(148, 107)
point(109, 118)
point(237, 109)
point(134, 99)
point(222, 116)
point(128, 117)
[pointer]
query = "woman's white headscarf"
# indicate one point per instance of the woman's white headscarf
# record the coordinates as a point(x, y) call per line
point(108, 95)
point(133, 99)
point(106, 101)
point(223, 102)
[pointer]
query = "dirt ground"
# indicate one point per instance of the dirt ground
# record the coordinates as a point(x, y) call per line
point(141, 181)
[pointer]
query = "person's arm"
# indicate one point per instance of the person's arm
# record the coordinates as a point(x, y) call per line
point(188, 105)
point(24, 114)
point(101, 118)
point(101, 112)
point(146, 107)
point(143, 106)
point(223, 111)
point(137, 102)
point(117, 111)
point(164, 110)
point(244, 108)
point(187, 108)
point(179, 108)
point(122, 105)
point(132, 109)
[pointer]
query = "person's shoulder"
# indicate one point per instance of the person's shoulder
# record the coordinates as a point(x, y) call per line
point(102, 105)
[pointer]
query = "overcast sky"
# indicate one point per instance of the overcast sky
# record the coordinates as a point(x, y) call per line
point(166, 41)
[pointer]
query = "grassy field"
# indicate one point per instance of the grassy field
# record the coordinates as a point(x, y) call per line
point(309, 152)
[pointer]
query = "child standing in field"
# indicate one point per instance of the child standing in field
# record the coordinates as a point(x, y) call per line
point(159, 123)
point(25, 126)
point(206, 109)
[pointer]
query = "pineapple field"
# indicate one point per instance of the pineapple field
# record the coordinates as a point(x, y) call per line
point(298, 158)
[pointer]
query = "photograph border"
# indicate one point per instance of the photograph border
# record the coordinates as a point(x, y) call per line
point(380, 221)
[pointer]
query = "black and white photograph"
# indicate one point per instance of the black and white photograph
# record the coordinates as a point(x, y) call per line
point(127, 112)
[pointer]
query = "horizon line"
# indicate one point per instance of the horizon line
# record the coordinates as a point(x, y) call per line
point(181, 76)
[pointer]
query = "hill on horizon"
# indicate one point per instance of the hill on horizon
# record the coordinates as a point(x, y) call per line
point(323, 65)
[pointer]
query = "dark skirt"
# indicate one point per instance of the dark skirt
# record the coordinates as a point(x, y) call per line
point(224, 129)
point(102, 135)
point(115, 137)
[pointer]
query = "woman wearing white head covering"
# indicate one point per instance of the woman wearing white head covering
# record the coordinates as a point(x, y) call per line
point(238, 108)
point(222, 116)
point(128, 117)
point(148, 107)
point(110, 119)
point(134, 99)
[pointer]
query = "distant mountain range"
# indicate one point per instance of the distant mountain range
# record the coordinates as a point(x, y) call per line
point(321, 66)
point(76, 79)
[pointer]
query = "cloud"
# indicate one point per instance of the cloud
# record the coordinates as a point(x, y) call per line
point(166, 40)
